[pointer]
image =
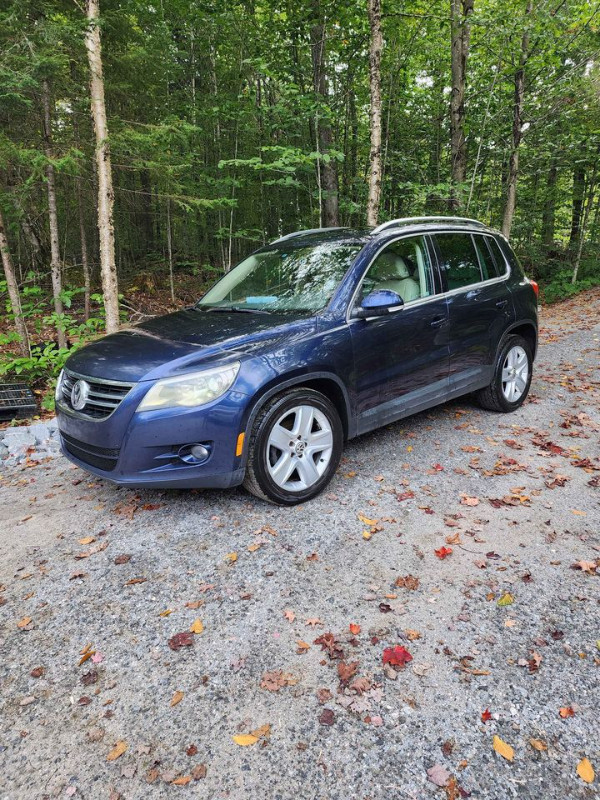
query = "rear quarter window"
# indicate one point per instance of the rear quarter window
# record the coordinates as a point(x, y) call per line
point(507, 251)
point(490, 267)
point(459, 261)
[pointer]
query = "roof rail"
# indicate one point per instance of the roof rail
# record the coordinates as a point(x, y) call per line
point(406, 220)
point(300, 233)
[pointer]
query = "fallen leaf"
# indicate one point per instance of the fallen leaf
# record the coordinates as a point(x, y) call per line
point(354, 629)
point(503, 749)
point(117, 751)
point(230, 558)
point(486, 715)
point(537, 744)
point(412, 635)
point(585, 771)
point(199, 772)
point(566, 711)
point(123, 558)
point(443, 552)
point(438, 775)
point(589, 567)
point(191, 750)
point(276, 680)
point(197, 626)
point(366, 520)
point(166, 612)
point(183, 780)
point(407, 582)
point(248, 739)
point(177, 698)
point(347, 671)
point(327, 717)
point(87, 540)
point(252, 548)
point(469, 501)
point(184, 639)
point(506, 600)
point(23, 623)
point(396, 656)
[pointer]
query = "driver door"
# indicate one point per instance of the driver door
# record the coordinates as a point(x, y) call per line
point(401, 360)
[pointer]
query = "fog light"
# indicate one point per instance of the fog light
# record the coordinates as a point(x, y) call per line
point(194, 453)
point(200, 452)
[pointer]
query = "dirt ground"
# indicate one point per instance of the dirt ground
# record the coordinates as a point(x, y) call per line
point(280, 689)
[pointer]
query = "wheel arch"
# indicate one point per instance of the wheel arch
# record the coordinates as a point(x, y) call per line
point(524, 328)
point(328, 384)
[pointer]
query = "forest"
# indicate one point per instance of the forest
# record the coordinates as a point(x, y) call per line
point(145, 147)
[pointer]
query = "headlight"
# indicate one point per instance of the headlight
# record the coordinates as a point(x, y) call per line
point(57, 391)
point(194, 389)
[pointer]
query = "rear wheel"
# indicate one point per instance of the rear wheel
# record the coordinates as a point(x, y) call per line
point(512, 377)
point(295, 447)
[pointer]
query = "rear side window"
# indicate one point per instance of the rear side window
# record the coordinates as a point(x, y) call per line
point(488, 264)
point(459, 259)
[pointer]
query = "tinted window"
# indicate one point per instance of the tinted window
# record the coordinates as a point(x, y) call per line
point(501, 258)
point(488, 265)
point(403, 267)
point(458, 259)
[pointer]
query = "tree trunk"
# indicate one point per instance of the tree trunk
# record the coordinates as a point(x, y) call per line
point(55, 265)
point(85, 263)
point(13, 290)
point(327, 172)
point(460, 33)
point(513, 162)
point(578, 194)
point(374, 11)
point(549, 210)
point(588, 203)
point(106, 198)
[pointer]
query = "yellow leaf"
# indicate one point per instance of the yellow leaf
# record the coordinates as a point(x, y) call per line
point(86, 540)
point(506, 600)
point(117, 750)
point(586, 771)
point(245, 739)
point(166, 612)
point(503, 749)
point(231, 558)
point(367, 535)
point(409, 448)
point(366, 520)
point(197, 626)
point(252, 548)
point(537, 744)
point(177, 698)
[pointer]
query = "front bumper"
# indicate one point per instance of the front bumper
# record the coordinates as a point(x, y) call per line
point(137, 449)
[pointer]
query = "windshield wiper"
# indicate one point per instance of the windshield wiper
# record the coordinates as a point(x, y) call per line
point(236, 308)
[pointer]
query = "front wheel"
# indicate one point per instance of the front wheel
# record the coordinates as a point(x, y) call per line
point(512, 377)
point(295, 447)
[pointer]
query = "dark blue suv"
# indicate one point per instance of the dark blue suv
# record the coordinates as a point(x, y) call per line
point(316, 338)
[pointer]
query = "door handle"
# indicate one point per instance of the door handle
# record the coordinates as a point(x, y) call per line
point(437, 322)
point(501, 303)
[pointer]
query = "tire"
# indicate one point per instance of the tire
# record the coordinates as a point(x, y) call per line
point(294, 448)
point(514, 355)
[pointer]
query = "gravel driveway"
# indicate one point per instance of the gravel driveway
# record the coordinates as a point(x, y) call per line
point(294, 611)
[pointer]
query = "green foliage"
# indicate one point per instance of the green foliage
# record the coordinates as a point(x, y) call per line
point(561, 287)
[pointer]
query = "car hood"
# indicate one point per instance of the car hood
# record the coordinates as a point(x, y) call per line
point(183, 340)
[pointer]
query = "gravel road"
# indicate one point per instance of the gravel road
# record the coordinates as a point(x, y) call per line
point(503, 632)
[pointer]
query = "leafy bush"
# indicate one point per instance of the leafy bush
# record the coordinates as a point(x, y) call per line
point(560, 287)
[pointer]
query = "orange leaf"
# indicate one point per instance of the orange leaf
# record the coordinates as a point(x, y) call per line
point(177, 698)
point(354, 628)
point(503, 749)
point(585, 771)
point(117, 751)
point(443, 552)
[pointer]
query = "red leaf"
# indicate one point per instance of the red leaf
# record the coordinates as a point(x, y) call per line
point(486, 715)
point(443, 552)
point(354, 628)
point(397, 656)
point(185, 639)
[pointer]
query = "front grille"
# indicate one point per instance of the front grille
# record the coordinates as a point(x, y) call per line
point(104, 458)
point(104, 396)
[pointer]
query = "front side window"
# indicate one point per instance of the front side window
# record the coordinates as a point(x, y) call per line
point(284, 278)
point(403, 267)
point(459, 259)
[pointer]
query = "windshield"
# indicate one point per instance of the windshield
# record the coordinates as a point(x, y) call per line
point(284, 278)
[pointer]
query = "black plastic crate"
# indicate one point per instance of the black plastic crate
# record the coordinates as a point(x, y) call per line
point(16, 401)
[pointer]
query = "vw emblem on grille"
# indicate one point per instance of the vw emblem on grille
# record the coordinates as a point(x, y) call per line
point(79, 394)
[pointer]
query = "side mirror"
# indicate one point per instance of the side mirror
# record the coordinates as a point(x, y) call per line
point(378, 304)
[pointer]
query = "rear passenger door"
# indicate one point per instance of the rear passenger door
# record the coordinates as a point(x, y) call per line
point(479, 304)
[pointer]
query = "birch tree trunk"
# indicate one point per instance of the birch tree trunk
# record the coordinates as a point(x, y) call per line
point(373, 202)
point(517, 130)
point(106, 198)
point(327, 174)
point(55, 265)
point(584, 222)
point(460, 33)
point(13, 290)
